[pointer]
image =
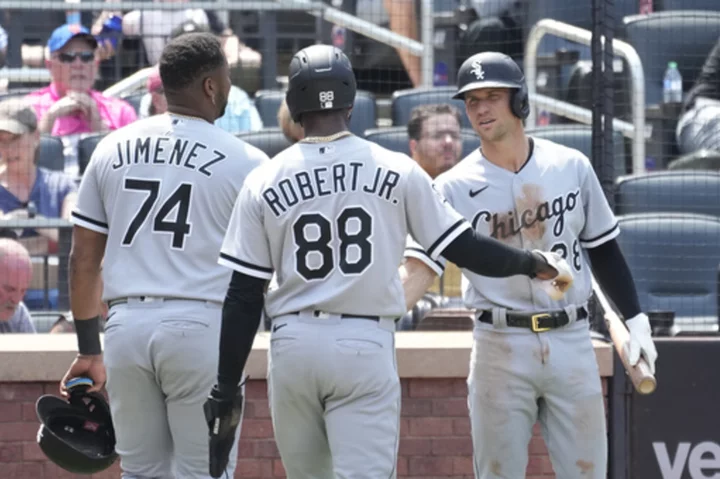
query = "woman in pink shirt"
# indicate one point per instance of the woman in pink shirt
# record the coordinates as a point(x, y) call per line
point(69, 105)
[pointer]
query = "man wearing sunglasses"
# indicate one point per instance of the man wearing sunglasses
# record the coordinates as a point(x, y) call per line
point(69, 105)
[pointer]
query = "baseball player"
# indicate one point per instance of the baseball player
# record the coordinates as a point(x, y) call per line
point(153, 207)
point(532, 357)
point(329, 218)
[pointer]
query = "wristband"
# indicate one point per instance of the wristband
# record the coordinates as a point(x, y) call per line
point(88, 335)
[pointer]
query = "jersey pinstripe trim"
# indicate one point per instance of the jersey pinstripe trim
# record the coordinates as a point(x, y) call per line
point(421, 255)
point(245, 267)
point(447, 237)
point(89, 223)
point(602, 238)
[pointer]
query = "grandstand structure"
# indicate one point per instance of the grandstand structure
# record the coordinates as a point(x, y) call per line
point(667, 203)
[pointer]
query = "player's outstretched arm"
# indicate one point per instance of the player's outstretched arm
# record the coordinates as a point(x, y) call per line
point(416, 278)
point(241, 314)
point(489, 257)
point(613, 274)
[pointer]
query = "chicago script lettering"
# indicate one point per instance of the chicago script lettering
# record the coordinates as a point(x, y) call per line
point(503, 225)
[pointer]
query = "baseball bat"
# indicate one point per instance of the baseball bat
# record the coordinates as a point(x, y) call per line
point(640, 374)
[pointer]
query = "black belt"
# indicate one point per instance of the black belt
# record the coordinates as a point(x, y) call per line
point(317, 314)
point(538, 322)
point(115, 302)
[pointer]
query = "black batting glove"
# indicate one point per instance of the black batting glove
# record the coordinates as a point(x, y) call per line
point(223, 413)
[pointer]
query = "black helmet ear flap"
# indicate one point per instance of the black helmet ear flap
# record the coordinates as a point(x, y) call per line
point(76, 434)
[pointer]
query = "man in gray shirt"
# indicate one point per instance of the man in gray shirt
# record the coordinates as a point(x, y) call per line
point(15, 274)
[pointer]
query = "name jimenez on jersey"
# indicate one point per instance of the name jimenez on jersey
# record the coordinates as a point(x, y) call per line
point(322, 181)
point(159, 150)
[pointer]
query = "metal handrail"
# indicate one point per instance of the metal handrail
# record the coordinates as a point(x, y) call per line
point(34, 223)
point(424, 49)
point(623, 49)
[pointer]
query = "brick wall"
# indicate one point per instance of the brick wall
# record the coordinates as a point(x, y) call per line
point(435, 435)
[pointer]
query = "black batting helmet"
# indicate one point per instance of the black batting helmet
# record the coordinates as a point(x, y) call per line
point(321, 78)
point(495, 70)
point(77, 434)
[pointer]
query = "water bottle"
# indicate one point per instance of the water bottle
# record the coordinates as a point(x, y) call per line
point(672, 84)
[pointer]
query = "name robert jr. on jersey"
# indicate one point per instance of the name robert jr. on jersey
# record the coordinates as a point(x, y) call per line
point(510, 225)
point(329, 180)
point(180, 152)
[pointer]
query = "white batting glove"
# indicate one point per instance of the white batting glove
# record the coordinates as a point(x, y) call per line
point(641, 342)
point(556, 287)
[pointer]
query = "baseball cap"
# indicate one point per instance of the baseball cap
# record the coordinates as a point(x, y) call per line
point(17, 116)
point(64, 33)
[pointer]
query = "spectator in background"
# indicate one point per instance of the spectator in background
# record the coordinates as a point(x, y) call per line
point(240, 113)
point(15, 276)
point(293, 131)
point(26, 190)
point(699, 126)
point(435, 144)
point(378, 67)
point(69, 107)
point(434, 134)
point(154, 101)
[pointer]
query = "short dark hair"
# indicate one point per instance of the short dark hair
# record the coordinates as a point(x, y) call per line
point(189, 57)
point(422, 112)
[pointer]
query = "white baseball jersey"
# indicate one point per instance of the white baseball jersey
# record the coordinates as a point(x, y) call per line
point(331, 221)
point(162, 189)
point(554, 203)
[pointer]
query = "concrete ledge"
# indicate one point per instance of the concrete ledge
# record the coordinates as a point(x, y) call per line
point(431, 354)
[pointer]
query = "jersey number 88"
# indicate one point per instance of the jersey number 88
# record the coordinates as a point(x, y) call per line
point(562, 249)
point(320, 243)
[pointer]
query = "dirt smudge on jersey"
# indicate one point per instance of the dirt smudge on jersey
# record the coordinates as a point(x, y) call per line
point(527, 206)
point(586, 467)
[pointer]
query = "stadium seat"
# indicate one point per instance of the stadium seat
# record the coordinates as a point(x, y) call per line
point(674, 260)
point(267, 103)
point(134, 99)
point(85, 149)
point(577, 13)
point(580, 138)
point(51, 154)
point(691, 191)
point(364, 114)
point(395, 138)
point(667, 5)
point(685, 37)
point(403, 102)
point(270, 140)
point(703, 159)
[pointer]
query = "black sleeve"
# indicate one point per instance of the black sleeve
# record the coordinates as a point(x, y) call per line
point(613, 275)
point(241, 315)
point(708, 82)
point(489, 257)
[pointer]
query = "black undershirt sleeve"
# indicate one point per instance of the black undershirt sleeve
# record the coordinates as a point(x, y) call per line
point(613, 275)
point(487, 256)
point(241, 315)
